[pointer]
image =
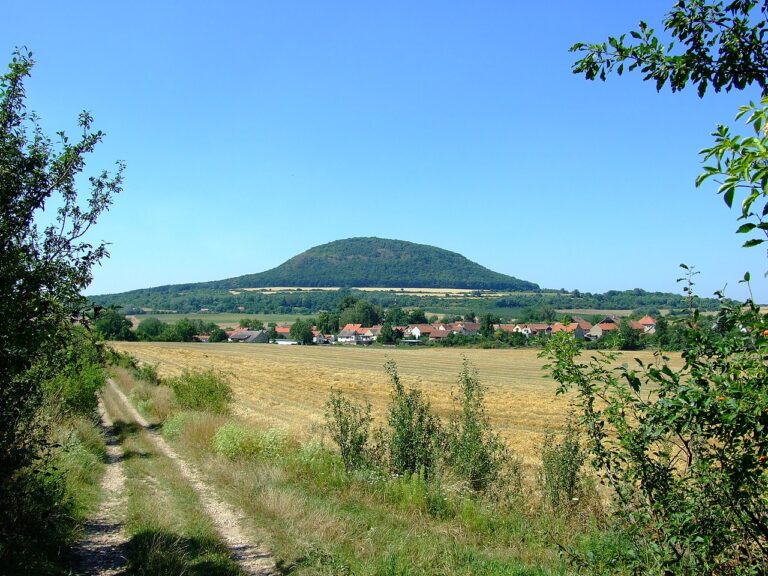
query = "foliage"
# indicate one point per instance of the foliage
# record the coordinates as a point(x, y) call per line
point(415, 432)
point(388, 335)
point(206, 390)
point(251, 324)
point(349, 426)
point(474, 450)
point(684, 450)
point(41, 275)
point(150, 328)
point(301, 330)
point(721, 44)
point(186, 299)
point(561, 468)
point(378, 262)
point(111, 325)
point(218, 335)
point(417, 316)
point(360, 312)
point(236, 441)
point(741, 164)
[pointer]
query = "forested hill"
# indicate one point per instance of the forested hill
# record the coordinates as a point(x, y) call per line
point(377, 262)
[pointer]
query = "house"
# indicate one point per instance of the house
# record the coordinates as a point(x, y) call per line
point(439, 334)
point(416, 331)
point(357, 334)
point(583, 324)
point(572, 328)
point(648, 323)
point(318, 337)
point(539, 328)
point(347, 335)
point(283, 331)
point(249, 336)
point(466, 328)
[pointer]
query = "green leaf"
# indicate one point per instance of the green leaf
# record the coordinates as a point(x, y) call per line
point(753, 242)
point(728, 197)
point(744, 228)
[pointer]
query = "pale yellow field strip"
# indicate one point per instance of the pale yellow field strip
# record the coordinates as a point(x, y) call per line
point(287, 386)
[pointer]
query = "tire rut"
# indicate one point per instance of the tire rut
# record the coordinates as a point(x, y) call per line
point(227, 519)
point(101, 552)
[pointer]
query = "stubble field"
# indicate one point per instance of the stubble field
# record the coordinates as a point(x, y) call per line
point(287, 386)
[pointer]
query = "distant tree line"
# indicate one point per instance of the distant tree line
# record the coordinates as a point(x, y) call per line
point(303, 302)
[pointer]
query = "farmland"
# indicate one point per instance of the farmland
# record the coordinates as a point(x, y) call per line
point(287, 386)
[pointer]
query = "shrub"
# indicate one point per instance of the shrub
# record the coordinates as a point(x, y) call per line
point(208, 390)
point(415, 432)
point(348, 424)
point(475, 451)
point(236, 441)
point(561, 465)
point(684, 450)
point(74, 388)
point(146, 372)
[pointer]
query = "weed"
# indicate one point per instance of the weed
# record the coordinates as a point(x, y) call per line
point(415, 431)
point(348, 424)
point(474, 450)
point(561, 464)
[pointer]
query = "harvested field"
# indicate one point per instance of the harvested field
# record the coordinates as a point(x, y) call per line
point(287, 386)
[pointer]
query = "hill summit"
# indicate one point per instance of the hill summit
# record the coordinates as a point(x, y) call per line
point(378, 262)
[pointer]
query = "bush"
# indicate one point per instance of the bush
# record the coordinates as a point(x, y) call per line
point(349, 426)
point(146, 372)
point(684, 450)
point(475, 451)
point(561, 465)
point(415, 432)
point(205, 391)
point(75, 387)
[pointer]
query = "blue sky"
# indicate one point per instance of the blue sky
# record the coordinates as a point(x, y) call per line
point(255, 130)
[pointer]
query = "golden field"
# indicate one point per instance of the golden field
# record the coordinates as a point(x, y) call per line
point(287, 386)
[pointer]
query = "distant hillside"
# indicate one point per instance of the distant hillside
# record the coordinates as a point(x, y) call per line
point(377, 262)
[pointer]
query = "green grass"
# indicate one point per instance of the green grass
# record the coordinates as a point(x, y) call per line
point(168, 529)
point(319, 520)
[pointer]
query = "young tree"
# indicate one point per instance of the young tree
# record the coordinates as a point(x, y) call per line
point(685, 450)
point(301, 330)
point(111, 325)
point(42, 273)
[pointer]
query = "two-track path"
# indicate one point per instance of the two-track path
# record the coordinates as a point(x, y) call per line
point(228, 520)
point(101, 552)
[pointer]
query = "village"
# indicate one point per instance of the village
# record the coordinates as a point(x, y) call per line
point(417, 334)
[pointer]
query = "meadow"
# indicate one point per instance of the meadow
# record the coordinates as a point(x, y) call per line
point(287, 386)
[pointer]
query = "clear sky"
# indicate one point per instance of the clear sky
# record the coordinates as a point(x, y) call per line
point(253, 131)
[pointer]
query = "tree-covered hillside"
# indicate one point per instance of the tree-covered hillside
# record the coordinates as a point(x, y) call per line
point(378, 262)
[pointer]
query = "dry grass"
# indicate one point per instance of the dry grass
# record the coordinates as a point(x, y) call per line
point(287, 386)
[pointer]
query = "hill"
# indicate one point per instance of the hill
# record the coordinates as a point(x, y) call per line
point(378, 262)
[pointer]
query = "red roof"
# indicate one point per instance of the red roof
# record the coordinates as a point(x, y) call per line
point(647, 321)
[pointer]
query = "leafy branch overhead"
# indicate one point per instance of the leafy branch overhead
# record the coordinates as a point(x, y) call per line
point(719, 44)
point(740, 164)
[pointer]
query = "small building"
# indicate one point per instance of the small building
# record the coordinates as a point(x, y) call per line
point(249, 336)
